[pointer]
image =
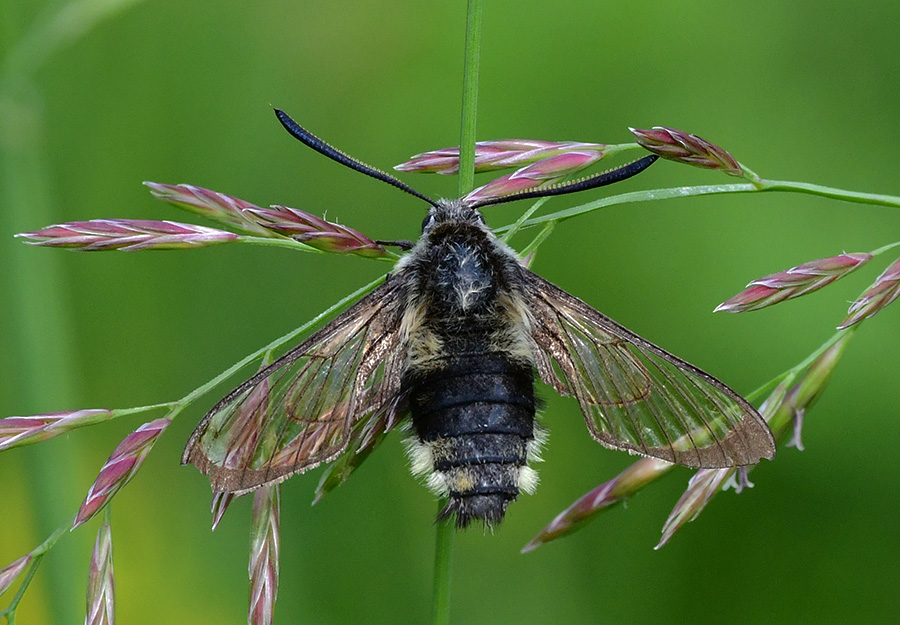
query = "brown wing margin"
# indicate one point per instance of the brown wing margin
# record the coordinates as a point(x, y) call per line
point(637, 396)
point(299, 411)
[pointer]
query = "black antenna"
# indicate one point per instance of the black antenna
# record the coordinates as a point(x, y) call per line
point(334, 154)
point(590, 182)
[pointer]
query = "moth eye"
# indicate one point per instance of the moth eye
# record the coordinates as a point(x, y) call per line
point(428, 223)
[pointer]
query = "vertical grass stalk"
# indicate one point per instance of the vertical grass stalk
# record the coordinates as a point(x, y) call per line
point(444, 529)
point(470, 98)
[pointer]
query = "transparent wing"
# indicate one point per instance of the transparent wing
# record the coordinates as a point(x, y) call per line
point(636, 396)
point(303, 409)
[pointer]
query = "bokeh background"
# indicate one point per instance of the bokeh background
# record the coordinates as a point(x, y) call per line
point(175, 92)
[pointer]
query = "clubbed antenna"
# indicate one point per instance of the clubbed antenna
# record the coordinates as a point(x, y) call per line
point(591, 182)
point(334, 154)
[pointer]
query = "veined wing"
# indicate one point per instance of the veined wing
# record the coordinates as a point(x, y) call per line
point(636, 396)
point(299, 411)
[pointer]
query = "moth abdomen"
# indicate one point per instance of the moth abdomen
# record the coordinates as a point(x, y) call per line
point(474, 424)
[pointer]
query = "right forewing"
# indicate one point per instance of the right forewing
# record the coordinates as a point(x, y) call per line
point(637, 396)
point(299, 411)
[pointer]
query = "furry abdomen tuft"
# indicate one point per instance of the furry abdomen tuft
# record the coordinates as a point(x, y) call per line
point(473, 417)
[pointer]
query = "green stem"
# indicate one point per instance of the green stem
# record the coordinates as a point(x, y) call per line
point(634, 196)
point(121, 412)
point(884, 248)
point(720, 189)
point(615, 148)
point(442, 558)
point(444, 529)
point(789, 375)
point(510, 233)
point(470, 97)
point(830, 192)
point(536, 241)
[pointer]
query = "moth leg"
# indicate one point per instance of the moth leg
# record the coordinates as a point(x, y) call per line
point(403, 244)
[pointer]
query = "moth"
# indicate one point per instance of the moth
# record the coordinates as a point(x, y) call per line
point(451, 344)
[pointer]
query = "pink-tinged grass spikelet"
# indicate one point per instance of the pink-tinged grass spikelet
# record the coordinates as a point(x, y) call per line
point(24, 568)
point(632, 479)
point(122, 465)
point(101, 587)
point(265, 540)
point(18, 431)
point(703, 485)
point(493, 155)
point(546, 171)
point(680, 146)
point(794, 282)
point(315, 231)
point(878, 296)
point(12, 571)
point(127, 235)
point(276, 222)
point(220, 503)
point(213, 205)
point(810, 386)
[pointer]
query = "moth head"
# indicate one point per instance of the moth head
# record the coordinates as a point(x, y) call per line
point(451, 211)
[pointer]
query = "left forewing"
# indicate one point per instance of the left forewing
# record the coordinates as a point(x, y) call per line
point(301, 410)
point(636, 396)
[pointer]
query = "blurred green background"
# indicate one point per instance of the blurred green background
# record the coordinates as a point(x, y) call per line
point(181, 91)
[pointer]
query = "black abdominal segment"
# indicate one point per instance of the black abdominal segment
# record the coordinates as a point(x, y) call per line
point(475, 412)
